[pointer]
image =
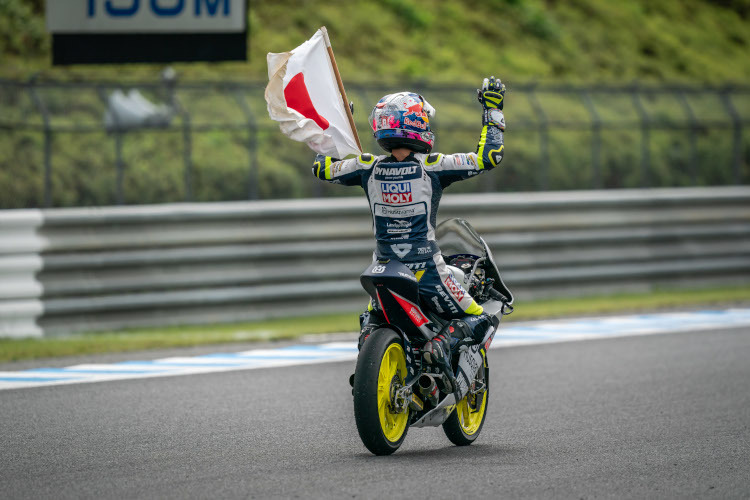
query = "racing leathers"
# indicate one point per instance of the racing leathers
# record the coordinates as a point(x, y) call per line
point(404, 197)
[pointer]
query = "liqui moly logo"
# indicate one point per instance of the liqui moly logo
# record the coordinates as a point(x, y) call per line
point(396, 193)
point(454, 288)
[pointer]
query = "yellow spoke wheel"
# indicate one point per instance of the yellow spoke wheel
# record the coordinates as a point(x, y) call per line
point(391, 377)
point(470, 412)
point(465, 423)
point(380, 372)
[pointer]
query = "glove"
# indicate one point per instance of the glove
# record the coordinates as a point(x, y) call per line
point(492, 97)
point(492, 93)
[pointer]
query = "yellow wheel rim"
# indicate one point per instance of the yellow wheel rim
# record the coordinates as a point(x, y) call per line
point(471, 410)
point(392, 372)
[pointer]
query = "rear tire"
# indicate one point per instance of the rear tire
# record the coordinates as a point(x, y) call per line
point(381, 368)
point(465, 423)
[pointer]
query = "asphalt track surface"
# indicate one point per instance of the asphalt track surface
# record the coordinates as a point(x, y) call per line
point(656, 416)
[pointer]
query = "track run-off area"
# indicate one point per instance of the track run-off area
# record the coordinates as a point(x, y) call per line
point(517, 334)
point(625, 412)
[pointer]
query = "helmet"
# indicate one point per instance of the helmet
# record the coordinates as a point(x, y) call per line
point(403, 120)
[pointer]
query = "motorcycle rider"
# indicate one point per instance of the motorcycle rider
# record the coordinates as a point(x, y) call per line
point(404, 191)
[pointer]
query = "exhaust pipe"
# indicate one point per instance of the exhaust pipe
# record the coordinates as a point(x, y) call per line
point(428, 388)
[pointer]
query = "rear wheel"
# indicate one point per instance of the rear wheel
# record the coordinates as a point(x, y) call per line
point(465, 423)
point(381, 371)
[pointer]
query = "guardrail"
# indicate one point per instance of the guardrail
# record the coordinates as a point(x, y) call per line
point(92, 269)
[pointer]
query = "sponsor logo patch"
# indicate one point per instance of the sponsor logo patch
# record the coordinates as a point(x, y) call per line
point(396, 193)
point(398, 212)
point(402, 249)
point(399, 223)
point(416, 266)
point(454, 288)
point(437, 305)
point(416, 316)
point(395, 171)
point(447, 299)
point(461, 159)
point(397, 198)
point(398, 226)
point(415, 123)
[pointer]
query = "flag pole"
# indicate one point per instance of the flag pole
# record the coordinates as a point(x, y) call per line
point(341, 86)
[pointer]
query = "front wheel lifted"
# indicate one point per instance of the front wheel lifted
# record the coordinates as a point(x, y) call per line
point(381, 370)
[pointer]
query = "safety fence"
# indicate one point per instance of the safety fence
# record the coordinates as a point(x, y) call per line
point(94, 269)
point(106, 143)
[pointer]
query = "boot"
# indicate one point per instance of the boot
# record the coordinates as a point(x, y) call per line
point(438, 350)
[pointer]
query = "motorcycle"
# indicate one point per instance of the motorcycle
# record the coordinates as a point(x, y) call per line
point(393, 388)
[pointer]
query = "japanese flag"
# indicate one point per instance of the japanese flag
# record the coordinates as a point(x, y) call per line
point(303, 96)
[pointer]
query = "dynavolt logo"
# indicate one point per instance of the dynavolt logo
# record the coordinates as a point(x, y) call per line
point(396, 193)
point(395, 171)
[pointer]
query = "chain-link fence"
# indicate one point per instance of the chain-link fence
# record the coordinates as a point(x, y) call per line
point(102, 143)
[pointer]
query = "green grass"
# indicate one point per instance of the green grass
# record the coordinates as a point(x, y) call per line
point(458, 41)
point(291, 328)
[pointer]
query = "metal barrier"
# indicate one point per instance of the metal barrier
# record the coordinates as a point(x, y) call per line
point(91, 269)
point(213, 141)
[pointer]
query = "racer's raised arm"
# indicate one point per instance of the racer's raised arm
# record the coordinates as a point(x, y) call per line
point(347, 172)
point(490, 150)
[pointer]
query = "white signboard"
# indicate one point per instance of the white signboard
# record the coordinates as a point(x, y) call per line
point(146, 16)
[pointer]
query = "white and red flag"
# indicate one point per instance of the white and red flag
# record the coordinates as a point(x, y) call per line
point(304, 95)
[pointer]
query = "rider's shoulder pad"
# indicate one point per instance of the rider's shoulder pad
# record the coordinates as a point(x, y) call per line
point(433, 158)
point(366, 158)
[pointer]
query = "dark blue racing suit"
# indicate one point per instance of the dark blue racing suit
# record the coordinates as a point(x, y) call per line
point(404, 197)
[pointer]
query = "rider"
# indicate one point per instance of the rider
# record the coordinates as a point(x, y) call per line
point(404, 190)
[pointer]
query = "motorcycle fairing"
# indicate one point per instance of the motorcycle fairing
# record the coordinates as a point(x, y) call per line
point(396, 290)
point(456, 236)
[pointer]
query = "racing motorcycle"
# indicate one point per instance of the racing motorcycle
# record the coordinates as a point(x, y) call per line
point(393, 388)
